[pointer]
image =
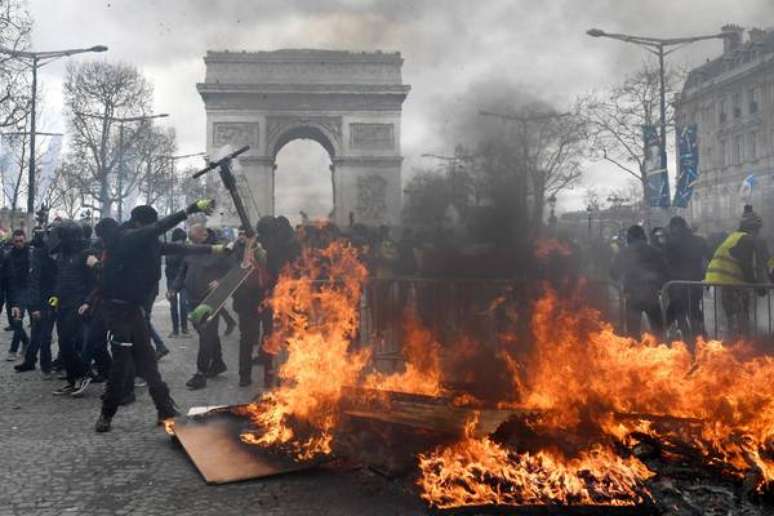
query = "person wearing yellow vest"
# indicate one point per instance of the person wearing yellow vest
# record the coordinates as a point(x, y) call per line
point(741, 258)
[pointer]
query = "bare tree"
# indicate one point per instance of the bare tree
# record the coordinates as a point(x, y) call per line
point(110, 91)
point(616, 117)
point(15, 28)
point(63, 192)
point(149, 165)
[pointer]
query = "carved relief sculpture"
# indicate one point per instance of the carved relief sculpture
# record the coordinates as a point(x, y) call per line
point(371, 199)
point(236, 134)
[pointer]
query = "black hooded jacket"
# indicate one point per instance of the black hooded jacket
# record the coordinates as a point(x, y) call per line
point(132, 267)
point(17, 272)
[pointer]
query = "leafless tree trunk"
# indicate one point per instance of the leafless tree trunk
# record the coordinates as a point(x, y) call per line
point(108, 91)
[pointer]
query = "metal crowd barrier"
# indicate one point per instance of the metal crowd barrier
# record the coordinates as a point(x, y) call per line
point(454, 308)
point(715, 310)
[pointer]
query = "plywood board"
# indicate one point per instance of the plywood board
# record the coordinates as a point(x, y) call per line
point(213, 444)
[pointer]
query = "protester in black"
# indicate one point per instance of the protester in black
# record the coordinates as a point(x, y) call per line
point(17, 270)
point(42, 284)
point(687, 256)
point(642, 270)
point(130, 273)
point(74, 283)
point(178, 303)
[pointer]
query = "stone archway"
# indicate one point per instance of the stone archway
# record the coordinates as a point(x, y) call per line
point(348, 102)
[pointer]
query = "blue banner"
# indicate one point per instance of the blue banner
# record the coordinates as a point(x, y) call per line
point(688, 165)
point(655, 168)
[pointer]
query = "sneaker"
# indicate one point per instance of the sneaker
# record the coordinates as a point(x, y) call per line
point(24, 366)
point(67, 389)
point(244, 381)
point(230, 327)
point(103, 424)
point(161, 354)
point(11, 356)
point(139, 382)
point(170, 413)
point(8, 328)
point(80, 386)
point(197, 381)
point(98, 378)
point(216, 369)
point(173, 335)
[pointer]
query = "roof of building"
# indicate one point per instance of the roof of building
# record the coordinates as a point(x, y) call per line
point(728, 61)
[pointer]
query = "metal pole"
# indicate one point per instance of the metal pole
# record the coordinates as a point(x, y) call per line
point(31, 179)
point(662, 100)
point(121, 172)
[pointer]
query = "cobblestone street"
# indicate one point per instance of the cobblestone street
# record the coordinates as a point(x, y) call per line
point(52, 461)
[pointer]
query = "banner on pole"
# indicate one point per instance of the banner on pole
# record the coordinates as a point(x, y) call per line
point(688, 165)
point(655, 168)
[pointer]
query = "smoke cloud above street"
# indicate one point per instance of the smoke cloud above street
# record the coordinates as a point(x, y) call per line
point(450, 49)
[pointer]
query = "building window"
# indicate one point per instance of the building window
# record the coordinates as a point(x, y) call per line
point(738, 156)
point(722, 153)
point(722, 110)
point(753, 98)
point(753, 145)
point(737, 101)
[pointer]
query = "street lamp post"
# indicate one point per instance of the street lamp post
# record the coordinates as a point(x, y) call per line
point(173, 160)
point(660, 47)
point(36, 60)
point(121, 121)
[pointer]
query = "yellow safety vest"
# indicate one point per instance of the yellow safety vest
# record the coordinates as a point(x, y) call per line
point(724, 268)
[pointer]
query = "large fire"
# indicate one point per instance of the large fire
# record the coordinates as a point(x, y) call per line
point(604, 391)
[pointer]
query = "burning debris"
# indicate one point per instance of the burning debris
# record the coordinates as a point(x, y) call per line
point(586, 418)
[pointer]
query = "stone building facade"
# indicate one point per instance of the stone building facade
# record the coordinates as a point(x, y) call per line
point(349, 102)
point(731, 99)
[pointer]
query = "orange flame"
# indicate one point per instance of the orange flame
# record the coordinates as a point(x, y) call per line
point(482, 472)
point(169, 426)
point(580, 374)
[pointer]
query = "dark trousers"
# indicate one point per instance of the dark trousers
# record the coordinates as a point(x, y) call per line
point(19, 334)
point(178, 309)
point(131, 349)
point(634, 310)
point(40, 340)
point(249, 333)
point(69, 329)
point(96, 344)
point(154, 335)
point(209, 346)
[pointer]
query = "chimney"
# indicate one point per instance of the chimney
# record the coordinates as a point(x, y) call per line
point(757, 36)
point(733, 40)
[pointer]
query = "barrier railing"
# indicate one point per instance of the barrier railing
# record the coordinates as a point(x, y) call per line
point(481, 309)
point(716, 310)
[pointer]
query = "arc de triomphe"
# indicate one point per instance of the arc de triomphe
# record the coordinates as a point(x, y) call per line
point(348, 102)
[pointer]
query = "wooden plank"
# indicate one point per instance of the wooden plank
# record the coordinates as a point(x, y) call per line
point(214, 446)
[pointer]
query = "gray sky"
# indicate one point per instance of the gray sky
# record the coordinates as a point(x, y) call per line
point(448, 45)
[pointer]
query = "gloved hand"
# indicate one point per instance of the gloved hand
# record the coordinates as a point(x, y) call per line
point(260, 254)
point(206, 206)
point(200, 314)
point(53, 302)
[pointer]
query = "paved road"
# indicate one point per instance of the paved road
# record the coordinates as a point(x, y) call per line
point(52, 462)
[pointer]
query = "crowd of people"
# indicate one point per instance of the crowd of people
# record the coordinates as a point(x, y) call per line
point(675, 253)
point(94, 288)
